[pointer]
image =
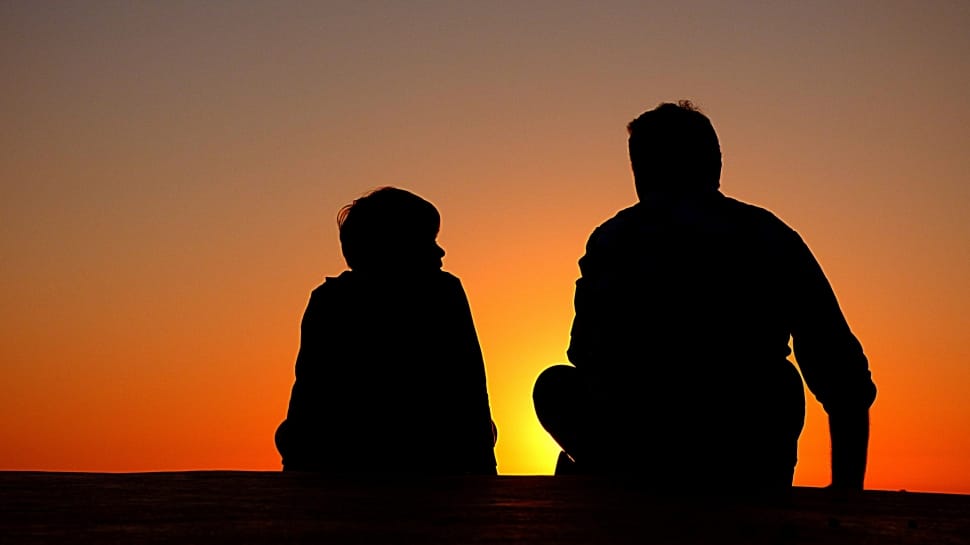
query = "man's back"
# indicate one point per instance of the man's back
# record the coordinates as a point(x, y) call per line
point(679, 281)
point(682, 324)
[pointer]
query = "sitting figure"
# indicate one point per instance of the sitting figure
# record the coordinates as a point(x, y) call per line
point(390, 376)
point(680, 341)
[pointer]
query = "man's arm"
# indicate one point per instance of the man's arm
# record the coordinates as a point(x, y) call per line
point(849, 433)
point(586, 335)
point(834, 367)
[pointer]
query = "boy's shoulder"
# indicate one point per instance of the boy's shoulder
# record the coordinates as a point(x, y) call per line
point(447, 277)
point(333, 284)
point(440, 279)
point(350, 280)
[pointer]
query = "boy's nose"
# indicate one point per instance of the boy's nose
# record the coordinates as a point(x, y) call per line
point(439, 250)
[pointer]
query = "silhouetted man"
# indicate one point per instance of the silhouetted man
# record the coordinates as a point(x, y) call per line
point(684, 311)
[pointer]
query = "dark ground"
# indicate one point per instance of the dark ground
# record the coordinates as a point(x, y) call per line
point(271, 507)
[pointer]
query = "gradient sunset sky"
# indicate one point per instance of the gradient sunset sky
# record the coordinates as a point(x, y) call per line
point(171, 174)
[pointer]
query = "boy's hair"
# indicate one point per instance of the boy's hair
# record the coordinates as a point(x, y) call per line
point(384, 226)
point(674, 148)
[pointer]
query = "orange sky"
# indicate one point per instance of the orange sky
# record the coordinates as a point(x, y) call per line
point(171, 176)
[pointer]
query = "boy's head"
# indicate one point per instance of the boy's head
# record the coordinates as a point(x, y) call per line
point(390, 229)
point(674, 149)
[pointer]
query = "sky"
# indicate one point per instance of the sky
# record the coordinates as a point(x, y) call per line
point(171, 174)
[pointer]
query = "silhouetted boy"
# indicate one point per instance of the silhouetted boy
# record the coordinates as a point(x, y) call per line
point(684, 310)
point(389, 376)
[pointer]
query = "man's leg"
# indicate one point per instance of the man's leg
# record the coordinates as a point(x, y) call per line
point(296, 451)
point(284, 445)
point(561, 406)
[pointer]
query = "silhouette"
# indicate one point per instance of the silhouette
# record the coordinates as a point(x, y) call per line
point(683, 314)
point(389, 376)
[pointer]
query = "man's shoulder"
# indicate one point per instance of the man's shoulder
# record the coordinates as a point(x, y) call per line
point(757, 217)
point(621, 221)
point(633, 216)
point(747, 208)
point(729, 213)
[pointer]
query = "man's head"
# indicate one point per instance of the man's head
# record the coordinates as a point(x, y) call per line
point(674, 149)
point(390, 229)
